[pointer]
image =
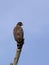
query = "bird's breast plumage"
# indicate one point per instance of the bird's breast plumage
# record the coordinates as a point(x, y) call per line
point(18, 33)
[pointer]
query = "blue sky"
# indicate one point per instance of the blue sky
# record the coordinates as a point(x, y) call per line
point(35, 16)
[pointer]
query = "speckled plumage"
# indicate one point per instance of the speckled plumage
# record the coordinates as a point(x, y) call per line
point(18, 32)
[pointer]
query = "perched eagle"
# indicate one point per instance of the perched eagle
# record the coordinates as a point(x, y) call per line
point(18, 33)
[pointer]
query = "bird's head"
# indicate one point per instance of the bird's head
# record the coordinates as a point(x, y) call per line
point(20, 23)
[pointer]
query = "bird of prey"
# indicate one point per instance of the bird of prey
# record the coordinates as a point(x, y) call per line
point(18, 33)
